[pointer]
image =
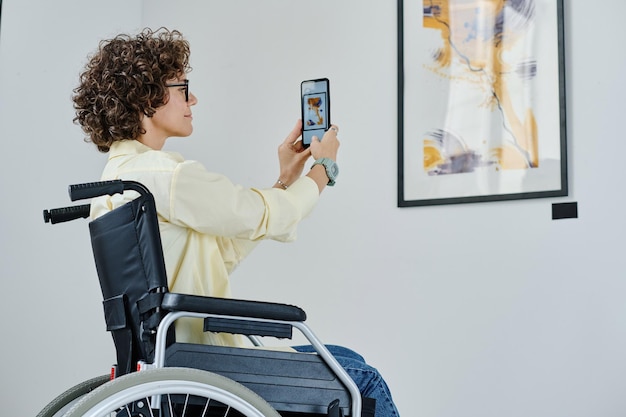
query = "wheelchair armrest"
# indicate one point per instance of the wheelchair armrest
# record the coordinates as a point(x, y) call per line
point(232, 307)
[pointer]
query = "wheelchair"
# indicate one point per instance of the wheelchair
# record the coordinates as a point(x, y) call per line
point(157, 376)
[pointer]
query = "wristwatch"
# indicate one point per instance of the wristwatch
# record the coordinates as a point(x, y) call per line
point(332, 170)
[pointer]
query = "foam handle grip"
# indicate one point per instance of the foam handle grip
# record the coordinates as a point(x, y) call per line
point(95, 189)
point(66, 214)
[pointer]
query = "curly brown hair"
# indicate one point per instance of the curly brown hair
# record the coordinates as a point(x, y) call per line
point(125, 80)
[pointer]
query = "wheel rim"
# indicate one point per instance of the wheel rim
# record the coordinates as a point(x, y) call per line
point(169, 388)
point(172, 392)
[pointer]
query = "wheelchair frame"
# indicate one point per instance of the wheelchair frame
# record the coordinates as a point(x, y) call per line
point(250, 318)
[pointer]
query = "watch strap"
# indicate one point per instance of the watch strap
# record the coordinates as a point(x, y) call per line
point(331, 169)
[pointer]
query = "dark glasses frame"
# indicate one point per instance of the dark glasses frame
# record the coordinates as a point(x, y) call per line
point(183, 84)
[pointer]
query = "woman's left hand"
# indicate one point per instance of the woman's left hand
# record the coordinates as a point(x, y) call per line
point(292, 156)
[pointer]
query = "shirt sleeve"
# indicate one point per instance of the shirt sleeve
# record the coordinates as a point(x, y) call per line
point(210, 203)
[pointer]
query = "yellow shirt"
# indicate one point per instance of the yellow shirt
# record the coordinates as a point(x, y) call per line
point(207, 223)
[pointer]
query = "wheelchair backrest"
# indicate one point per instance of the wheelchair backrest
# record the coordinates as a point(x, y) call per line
point(129, 259)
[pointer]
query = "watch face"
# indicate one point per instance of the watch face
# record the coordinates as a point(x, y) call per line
point(334, 170)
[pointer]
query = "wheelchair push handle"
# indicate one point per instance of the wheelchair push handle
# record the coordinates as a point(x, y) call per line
point(66, 214)
point(96, 189)
point(87, 191)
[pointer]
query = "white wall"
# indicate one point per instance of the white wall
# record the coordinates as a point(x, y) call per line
point(484, 310)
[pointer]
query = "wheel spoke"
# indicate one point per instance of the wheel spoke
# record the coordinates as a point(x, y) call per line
point(185, 405)
point(169, 402)
point(206, 407)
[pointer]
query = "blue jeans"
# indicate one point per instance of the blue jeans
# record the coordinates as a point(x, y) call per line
point(370, 382)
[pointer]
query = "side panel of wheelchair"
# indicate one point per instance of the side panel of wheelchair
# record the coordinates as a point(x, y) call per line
point(288, 381)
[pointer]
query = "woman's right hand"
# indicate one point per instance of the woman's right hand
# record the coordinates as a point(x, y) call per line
point(328, 146)
point(325, 148)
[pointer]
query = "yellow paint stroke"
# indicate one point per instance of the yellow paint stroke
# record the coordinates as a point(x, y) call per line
point(512, 157)
point(525, 131)
point(509, 157)
point(432, 155)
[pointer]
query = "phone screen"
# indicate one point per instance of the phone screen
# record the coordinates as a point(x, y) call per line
point(315, 109)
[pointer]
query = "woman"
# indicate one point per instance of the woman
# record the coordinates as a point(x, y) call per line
point(134, 95)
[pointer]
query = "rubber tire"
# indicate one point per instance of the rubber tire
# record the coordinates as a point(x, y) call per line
point(72, 394)
point(139, 385)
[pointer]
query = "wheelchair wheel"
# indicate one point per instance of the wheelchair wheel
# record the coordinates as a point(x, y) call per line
point(63, 402)
point(176, 392)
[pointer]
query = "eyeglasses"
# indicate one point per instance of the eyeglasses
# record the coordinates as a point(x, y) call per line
point(183, 84)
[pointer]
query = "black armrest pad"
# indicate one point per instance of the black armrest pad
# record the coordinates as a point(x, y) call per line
point(247, 327)
point(232, 307)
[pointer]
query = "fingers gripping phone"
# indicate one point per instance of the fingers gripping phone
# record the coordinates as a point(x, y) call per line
point(315, 101)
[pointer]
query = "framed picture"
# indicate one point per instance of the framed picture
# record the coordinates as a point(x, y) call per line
point(481, 101)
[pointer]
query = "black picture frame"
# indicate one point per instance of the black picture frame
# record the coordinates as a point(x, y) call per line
point(444, 171)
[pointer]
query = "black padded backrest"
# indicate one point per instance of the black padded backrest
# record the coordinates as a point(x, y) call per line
point(129, 259)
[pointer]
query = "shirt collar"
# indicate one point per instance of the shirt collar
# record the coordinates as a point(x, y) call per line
point(127, 147)
point(131, 147)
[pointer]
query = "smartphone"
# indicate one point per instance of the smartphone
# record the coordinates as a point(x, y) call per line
point(315, 97)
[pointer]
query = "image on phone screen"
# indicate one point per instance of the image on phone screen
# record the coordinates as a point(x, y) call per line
point(315, 109)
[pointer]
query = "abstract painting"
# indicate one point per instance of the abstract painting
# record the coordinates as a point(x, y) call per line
point(481, 99)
